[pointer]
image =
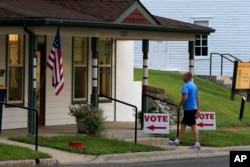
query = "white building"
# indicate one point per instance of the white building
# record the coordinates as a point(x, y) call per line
point(97, 49)
point(230, 18)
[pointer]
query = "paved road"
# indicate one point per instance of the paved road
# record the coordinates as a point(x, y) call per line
point(221, 161)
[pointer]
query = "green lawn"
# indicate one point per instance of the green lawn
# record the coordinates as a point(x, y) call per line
point(213, 97)
point(11, 152)
point(93, 145)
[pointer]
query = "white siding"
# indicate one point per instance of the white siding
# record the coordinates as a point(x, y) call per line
point(57, 107)
point(230, 18)
point(138, 58)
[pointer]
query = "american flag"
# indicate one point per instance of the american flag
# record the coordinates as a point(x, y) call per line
point(55, 63)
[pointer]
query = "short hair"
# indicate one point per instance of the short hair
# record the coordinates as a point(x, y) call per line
point(189, 75)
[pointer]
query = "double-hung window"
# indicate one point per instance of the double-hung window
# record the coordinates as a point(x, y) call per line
point(15, 67)
point(105, 64)
point(80, 54)
point(201, 42)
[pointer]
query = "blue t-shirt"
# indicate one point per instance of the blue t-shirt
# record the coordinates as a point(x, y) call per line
point(191, 90)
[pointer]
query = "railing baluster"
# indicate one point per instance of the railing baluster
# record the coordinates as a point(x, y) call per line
point(135, 139)
point(223, 56)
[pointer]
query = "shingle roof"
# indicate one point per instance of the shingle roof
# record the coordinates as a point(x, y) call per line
point(107, 10)
point(175, 23)
point(93, 11)
point(43, 9)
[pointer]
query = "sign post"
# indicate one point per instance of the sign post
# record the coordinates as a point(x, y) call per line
point(206, 121)
point(156, 123)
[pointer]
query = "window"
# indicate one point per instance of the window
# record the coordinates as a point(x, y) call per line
point(201, 41)
point(80, 53)
point(15, 68)
point(105, 66)
point(201, 48)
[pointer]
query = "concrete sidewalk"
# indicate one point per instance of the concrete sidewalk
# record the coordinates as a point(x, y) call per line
point(122, 128)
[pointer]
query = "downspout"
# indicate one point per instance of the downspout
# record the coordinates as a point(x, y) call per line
point(31, 91)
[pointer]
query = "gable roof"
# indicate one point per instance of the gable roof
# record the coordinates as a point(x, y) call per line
point(123, 14)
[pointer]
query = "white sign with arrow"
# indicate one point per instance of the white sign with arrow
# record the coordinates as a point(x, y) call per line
point(156, 123)
point(206, 121)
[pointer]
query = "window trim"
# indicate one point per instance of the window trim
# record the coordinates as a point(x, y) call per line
point(21, 102)
point(202, 19)
point(103, 99)
point(80, 100)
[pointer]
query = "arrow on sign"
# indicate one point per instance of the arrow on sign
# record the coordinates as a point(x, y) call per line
point(201, 124)
point(152, 127)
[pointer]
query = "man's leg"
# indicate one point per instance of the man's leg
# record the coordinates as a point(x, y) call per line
point(195, 133)
point(177, 140)
point(196, 138)
point(182, 130)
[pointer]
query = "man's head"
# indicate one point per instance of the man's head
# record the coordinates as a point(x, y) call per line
point(187, 76)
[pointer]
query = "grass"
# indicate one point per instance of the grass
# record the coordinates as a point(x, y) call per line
point(212, 97)
point(217, 138)
point(93, 145)
point(10, 152)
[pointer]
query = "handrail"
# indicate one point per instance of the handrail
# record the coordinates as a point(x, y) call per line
point(163, 100)
point(223, 56)
point(27, 108)
point(135, 138)
point(178, 111)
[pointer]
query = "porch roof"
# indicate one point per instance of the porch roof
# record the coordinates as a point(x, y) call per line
point(111, 14)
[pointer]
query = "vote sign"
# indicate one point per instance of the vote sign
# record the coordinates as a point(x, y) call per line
point(156, 123)
point(206, 121)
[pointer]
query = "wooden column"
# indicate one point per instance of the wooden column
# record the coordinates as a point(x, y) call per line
point(145, 49)
point(95, 55)
point(191, 57)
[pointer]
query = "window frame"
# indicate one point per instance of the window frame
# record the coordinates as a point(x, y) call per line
point(86, 66)
point(110, 66)
point(201, 46)
point(195, 21)
point(9, 65)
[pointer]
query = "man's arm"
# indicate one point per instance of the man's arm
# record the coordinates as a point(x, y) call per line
point(198, 103)
point(183, 99)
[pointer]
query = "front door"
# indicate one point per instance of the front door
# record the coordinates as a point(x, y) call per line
point(40, 81)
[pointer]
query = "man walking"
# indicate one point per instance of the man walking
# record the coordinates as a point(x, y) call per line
point(190, 104)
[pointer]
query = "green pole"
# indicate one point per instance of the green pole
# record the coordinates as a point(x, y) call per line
point(31, 99)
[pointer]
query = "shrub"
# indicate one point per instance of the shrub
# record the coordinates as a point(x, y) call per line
point(91, 116)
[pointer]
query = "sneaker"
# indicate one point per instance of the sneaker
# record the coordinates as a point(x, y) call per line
point(196, 146)
point(173, 143)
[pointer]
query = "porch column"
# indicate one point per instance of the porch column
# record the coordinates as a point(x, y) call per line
point(31, 83)
point(95, 55)
point(191, 57)
point(145, 49)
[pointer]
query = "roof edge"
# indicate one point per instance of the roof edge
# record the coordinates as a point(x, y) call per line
point(93, 24)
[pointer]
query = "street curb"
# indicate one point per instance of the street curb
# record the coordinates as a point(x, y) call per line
point(29, 163)
point(183, 153)
point(141, 157)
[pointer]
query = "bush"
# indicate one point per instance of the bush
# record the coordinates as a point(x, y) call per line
point(89, 115)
